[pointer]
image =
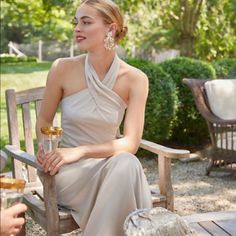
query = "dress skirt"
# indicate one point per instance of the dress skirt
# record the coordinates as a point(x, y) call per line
point(102, 192)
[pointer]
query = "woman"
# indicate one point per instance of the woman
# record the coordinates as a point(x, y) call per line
point(97, 175)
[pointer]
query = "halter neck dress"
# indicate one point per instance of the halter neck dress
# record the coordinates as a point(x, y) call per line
point(100, 192)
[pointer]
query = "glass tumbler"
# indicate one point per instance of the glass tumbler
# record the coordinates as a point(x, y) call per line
point(51, 138)
point(12, 191)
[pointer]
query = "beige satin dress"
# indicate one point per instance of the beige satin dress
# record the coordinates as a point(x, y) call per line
point(100, 192)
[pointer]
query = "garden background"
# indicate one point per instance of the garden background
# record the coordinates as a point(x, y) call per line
point(203, 32)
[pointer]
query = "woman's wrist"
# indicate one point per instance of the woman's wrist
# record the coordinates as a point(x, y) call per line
point(81, 150)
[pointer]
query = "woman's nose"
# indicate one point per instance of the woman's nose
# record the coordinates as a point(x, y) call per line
point(77, 27)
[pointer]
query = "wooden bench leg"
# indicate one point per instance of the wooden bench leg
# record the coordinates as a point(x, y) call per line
point(52, 214)
point(164, 166)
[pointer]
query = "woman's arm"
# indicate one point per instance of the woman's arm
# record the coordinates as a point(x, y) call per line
point(51, 99)
point(133, 127)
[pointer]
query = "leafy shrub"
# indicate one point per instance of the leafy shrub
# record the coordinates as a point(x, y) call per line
point(225, 68)
point(161, 103)
point(190, 127)
point(7, 58)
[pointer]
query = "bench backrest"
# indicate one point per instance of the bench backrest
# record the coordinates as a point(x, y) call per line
point(22, 111)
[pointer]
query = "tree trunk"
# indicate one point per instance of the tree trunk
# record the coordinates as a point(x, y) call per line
point(190, 12)
point(186, 45)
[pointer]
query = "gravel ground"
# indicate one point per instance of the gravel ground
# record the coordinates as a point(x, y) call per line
point(194, 192)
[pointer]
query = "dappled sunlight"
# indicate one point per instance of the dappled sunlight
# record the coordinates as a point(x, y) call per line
point(187, 205)
point(192, 185)
point(199, 193)
point(194, 191)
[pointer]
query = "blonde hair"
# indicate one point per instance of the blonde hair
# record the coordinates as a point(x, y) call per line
point(110, 13)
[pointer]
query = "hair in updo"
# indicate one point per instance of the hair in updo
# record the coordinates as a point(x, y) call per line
point(110, 13)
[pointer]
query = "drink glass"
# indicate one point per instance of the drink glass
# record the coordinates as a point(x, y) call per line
point(51, 138)
point(12, 191)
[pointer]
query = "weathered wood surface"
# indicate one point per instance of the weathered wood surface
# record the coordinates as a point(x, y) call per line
point(165, 154)
point(164, 151)
point(213, 223)
point(20, 155)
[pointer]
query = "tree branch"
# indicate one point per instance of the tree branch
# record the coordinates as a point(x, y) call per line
point(197, 14)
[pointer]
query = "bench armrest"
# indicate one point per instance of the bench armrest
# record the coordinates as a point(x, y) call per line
point(20, 155)
point(48, 181)
point(163, 151)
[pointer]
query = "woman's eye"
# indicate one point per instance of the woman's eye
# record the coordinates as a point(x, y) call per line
point(86, 22)
point(75, 22)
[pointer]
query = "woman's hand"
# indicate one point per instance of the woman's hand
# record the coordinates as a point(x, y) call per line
point(52, 161)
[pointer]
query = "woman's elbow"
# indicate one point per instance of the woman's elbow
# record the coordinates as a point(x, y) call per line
point(133, 147)
point(129, 144)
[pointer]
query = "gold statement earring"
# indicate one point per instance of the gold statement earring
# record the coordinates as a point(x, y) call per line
point(109, 42)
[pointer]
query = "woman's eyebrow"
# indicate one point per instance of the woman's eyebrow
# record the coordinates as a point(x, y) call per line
point(83, 17)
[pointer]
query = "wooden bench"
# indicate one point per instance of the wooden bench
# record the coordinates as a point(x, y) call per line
point(41, 199)
point(213, 223)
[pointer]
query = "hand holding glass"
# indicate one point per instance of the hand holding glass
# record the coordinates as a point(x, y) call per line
point(11, 191)
point(51, 138)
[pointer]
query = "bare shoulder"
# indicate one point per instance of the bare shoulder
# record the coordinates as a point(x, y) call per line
point(133, 74)
point(62, 68)
point(62, 64)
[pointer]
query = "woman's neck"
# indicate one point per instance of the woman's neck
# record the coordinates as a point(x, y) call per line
point(101, 62)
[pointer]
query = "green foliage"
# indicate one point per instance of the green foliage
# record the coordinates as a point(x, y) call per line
point(28, 20)
point(152, 24)
point(216, 33)
point(189, 127)
point(161, 103)
point(15, 59)
point(168, 24)
point(49, 4)
point(225, 68)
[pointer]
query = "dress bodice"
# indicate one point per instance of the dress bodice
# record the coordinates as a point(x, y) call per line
point(94, 114)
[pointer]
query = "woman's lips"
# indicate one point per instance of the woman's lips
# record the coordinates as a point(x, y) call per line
point(79, 39)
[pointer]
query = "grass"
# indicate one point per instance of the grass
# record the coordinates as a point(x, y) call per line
point(24, 67)
point(19, 76)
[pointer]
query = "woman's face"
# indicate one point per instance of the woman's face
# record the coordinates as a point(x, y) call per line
point(90, 30)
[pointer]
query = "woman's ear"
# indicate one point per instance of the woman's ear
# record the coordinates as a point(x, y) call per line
point(113, 28)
